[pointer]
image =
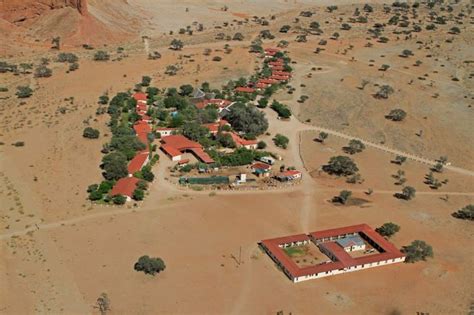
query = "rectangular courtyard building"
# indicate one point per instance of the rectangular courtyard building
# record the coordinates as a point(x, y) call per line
point(335, 251)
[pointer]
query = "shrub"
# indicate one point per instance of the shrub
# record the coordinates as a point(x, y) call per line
point(73, 66)
point(261, 145)
point(216, 58)
point(176, 44)
point(354, 146)
point(150, 265)
point(384, 92)
point(416, 251)
point(263, 102)
point(119, 199)
point(43, 72)
point(138, 194)
point(282, 110)
point(238, 36)
point(101, 56)
point(396, 115)
point(91, 133)
point(24, 92)
point(95, 195)
point(67, 57)
point(407, 193)
point(281, 141)
point(466, 213)
point(343, 197)
point(341, 166)
point(388, 229)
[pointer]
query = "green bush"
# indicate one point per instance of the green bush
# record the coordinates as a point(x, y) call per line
point(281, 141)
point(91, 133)
point(282, 110)
point(150, 265)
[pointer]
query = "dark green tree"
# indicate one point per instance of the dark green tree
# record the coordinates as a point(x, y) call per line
point(416, 251)
point(341, 166)
point(150, 265)
point(388, 229)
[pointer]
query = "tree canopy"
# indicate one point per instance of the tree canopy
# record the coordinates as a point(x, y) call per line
point(247, 119)
point(416, 251)
point(341, 166)
point(388, 229)
point(150, 265)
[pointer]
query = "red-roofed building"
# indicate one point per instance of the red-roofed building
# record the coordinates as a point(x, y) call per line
point(137, 163)
point(330, 243)
point(142, 129)
point(140, 97)
point(261, 169)
point(125, 187)
point(279, 77)
point(282, 73)
point(240, 142)
point(175, 145)
point(244, 89)
point(289, 175)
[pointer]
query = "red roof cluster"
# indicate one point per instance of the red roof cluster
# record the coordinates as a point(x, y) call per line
point(343, 259)
point(140, 96)
point(125, 187)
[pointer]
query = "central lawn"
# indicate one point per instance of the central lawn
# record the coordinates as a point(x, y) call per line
point(295, 251)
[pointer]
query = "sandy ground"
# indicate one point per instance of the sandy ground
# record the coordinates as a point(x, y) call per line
point(59, 252)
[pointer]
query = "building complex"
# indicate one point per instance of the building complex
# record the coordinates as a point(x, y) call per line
point(347, 249)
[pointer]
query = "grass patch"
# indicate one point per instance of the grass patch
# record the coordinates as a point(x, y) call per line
point(295, 251)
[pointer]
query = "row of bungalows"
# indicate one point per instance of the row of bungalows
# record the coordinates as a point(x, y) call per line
point(127, 185)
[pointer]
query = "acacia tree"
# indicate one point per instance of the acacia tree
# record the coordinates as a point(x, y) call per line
point(407, 193)
point(150, 265)
point(343, 197)
point(465, 213)
point(384, 92)
point(323, 136)
point(341, 166)
point(354, 146)
point(388, 229)
point(176, 44)
point(396, 115)
point(416, 251)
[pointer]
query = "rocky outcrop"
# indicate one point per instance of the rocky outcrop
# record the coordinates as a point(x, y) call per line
point(19, 11)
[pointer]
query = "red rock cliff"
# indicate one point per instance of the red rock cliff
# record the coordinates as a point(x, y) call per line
point(16, 11)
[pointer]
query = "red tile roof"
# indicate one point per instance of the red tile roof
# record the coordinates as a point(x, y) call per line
point(290, 173)
point(280, 77)
point(175, 144)
point(282, 73)
point(139, 96)
point(203, 156)
point(261, 166)
point(343, 259)
point(179, 142)
point(267, 81)
point(170, 150)
point(125, 186)
point(239, 141)
point(244, 89)
point(137, 162)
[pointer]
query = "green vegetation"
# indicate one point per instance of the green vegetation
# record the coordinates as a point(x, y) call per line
point(341, 166)
point(24, 92)
point(101, 56)
point(396, 115)
point(91, 133)
point(43, 72)
point(388, 229)
point(149, 265)
point(281, 141)
point(416, 251)
point(282, 110)
point(295, 251)
point(247, 119)
point(465, 213)
point(354, 146)
point(343, 197)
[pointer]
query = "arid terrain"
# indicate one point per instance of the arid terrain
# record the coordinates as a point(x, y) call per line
point(59, 251)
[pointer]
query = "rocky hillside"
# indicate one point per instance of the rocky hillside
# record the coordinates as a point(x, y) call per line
point(25, 11)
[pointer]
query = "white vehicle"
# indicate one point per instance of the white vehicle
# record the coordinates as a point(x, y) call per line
point(267, 159)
